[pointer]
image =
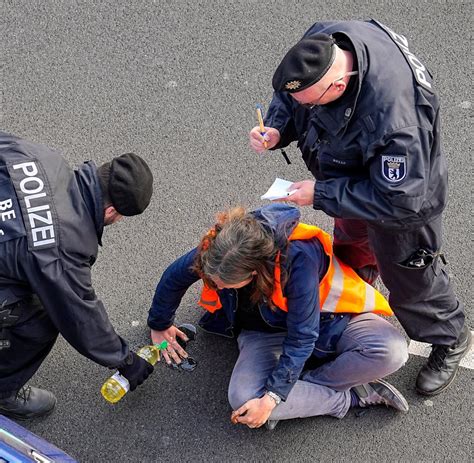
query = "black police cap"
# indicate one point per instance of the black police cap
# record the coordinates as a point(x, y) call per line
point(305, 63)
point(130, 184)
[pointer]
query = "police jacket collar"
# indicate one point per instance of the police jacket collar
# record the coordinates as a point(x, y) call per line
point(89, 185)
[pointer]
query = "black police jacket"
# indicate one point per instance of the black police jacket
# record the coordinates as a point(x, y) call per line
point(51, 222)
point(375, 153)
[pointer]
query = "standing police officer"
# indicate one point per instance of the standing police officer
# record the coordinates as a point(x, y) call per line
point(51, 223)
point(365, 115)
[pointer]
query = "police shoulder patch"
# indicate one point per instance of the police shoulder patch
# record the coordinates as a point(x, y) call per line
point(394, 167)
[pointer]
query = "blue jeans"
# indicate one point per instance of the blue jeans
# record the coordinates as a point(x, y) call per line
point(369, 348)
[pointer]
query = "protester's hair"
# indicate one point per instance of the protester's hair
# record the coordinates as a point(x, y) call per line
point(235, 247)
point(103, 172)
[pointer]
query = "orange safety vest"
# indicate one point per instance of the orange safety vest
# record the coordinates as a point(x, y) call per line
point(340, 291)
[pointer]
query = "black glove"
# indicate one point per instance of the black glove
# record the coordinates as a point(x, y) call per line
point(136, 370)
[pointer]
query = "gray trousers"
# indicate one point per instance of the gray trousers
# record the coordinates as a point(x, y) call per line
point(422, 298)
point(369, 348)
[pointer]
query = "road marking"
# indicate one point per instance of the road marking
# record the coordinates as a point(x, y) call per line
point(423, 350)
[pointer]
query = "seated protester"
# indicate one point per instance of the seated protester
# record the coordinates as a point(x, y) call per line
point(310, 340)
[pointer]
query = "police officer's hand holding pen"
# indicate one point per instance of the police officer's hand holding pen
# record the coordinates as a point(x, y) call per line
point(271, 137)
point(263, 138)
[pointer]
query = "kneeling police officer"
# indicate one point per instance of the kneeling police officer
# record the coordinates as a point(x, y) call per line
point(51, 223)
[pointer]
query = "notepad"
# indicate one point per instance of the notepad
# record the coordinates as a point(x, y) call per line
point(278, 190)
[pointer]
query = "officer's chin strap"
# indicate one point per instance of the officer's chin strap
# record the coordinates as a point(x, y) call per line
point(285, 156)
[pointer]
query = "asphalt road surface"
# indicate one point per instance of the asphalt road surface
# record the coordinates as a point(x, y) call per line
point(177, 82)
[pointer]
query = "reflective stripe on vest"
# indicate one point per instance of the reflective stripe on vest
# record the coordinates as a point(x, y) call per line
point(209, 299)
point(340, 291)
point(349, 293)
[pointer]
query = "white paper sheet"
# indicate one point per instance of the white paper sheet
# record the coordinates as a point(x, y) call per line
point(278, 190)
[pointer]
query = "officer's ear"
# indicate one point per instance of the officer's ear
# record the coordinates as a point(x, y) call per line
point(340, 86)
point(111, 215)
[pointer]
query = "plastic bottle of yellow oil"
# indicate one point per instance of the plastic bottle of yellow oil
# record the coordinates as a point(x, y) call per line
point(117, 385)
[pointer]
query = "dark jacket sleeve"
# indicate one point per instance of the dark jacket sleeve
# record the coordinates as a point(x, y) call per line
point(174, 283)
point(68, 297)
point(280, 116)
point(302, 293)
point(377, 198)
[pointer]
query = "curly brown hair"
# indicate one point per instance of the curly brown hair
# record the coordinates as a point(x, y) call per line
point(236, 247)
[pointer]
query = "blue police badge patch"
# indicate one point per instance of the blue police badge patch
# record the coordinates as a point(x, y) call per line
point(394, 168)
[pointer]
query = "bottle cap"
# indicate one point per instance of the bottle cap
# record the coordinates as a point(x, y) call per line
point(162, 345)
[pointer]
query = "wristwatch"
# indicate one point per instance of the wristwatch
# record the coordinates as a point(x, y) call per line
point(274, 396)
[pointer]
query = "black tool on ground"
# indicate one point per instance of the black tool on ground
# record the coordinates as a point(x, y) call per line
point(187, 364)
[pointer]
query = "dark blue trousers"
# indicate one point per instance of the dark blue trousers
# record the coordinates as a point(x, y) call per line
point(31, 339)
point(421, 296)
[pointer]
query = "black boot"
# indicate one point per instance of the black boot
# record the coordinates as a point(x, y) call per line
point(443, 363)
point(28, 402)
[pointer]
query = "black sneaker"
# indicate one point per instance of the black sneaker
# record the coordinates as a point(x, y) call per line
point(379, 392)
point(442, 366)
point(28, 402)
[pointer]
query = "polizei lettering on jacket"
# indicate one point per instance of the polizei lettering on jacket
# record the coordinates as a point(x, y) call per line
point(422, 74)
point(32, 192)
point(11, 223)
